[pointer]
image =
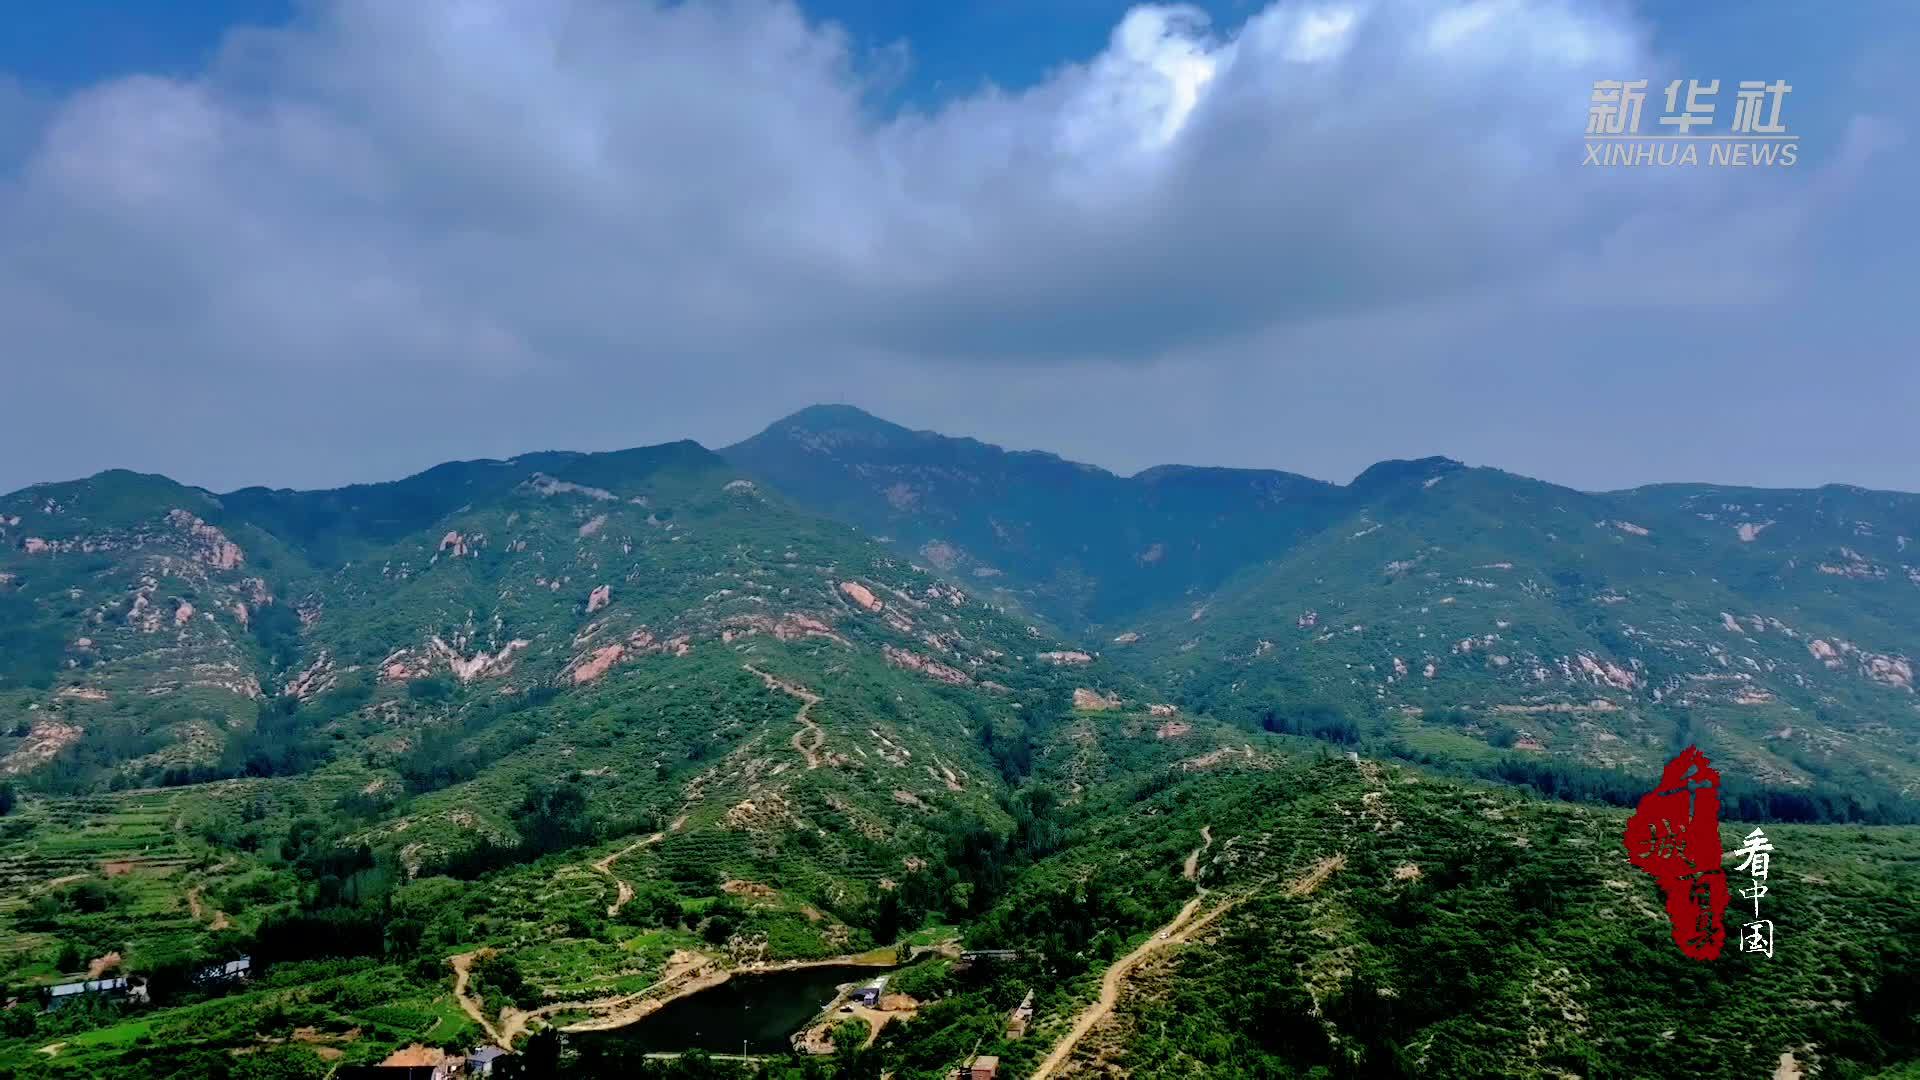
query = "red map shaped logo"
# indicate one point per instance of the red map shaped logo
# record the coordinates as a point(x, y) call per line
point(1674, 835)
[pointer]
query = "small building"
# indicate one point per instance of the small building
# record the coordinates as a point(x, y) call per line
point(480, 1062)
point(118, 987)
point(1022, 1016)
point(234, 970)
point(971, 957)
point(982, 1067)
point(869, 994)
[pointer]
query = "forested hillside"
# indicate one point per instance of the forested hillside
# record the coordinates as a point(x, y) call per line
point(1449, 614)
point(1237, 764)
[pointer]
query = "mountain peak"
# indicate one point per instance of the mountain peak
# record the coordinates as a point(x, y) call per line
point(1403, 470)
point(824, 417)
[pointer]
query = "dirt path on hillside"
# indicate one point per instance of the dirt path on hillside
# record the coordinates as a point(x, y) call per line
point(1306, 883)
point(220, 920)
point(1184, 925)
point(1110, 984)
point(689, 976)
point(462, 968)
point(605, 866)
point(1192, 869)
point(811, 736)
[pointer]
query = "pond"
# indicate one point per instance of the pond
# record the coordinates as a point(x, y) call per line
point(764, 1010)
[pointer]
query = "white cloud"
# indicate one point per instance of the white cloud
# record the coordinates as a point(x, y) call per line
point(439, 204)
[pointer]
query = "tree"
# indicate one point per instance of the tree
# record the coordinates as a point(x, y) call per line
point(539, 1058)
point(552, 817)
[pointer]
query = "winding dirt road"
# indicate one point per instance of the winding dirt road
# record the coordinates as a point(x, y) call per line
point(1170, 934)
point(220, 920)
point(811, 736)
point(1182, 929)
point(605, 866)
point(1192, 869)
point(462, 970)
point(1184, 925)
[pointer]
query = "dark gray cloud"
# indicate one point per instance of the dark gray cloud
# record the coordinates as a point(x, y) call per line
point(391, 234)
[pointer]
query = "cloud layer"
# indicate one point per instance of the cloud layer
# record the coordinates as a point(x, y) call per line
point(391, 233)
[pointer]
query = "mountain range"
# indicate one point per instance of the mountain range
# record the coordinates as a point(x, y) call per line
point(1776, 624)
point(596, 726)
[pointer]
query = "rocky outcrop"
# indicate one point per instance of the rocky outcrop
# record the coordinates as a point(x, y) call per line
point(211, 546)
point(1853, 565)
point(593, 665)
point(599, 598)
point(932, 669)
point(1890, 670)
point(1094, 700)
point(408, 664)
point(47, 738)
point(791, 626)
point(598, 663)
point(1064, 657)
point(318, 678)
point(482, 664)
point(542, 484)
point(1607, 672)
point(861, 595)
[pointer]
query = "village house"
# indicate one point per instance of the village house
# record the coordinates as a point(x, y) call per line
point(118, 987)
point(232, 971)
point(869, 995)
point(982, 1067)
point(978, 956)
point(1022, 1016)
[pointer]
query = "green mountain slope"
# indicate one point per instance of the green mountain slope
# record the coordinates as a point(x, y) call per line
point(1524, 621)
point(1471, 607)
point(633, 715)
point(1073, 542)
point(531, 744)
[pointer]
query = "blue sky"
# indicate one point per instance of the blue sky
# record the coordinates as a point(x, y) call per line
point(362, 237)
point(955, 46)
point(62, 46)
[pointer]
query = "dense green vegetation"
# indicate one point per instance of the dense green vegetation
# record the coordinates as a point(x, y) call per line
point(592, 727)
